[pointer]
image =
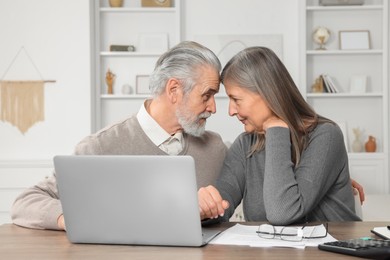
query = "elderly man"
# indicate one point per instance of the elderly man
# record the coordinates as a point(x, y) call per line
point(183, 85)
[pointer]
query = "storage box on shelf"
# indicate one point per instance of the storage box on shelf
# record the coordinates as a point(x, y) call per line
point(359, 69)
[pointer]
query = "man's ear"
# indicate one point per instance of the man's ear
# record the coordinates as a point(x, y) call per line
point(173, 89)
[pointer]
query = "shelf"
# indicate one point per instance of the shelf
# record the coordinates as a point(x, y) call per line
point(128, 54)
point(344, 95)
point(124, 25)
point(343, 52)
point(138, 10)
point(367, 111)
point(121, 96)
point(366, 156)
point(344, 8)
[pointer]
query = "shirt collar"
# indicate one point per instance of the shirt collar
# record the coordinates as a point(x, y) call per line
point(151, 128)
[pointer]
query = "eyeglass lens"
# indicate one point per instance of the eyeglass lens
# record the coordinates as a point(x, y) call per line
point(291, 234)
point(266, 231)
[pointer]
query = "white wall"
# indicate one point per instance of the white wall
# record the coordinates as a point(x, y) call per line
point(56, 35)
point(245, 17)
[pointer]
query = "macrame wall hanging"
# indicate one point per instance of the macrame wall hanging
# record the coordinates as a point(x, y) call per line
point(22, 101)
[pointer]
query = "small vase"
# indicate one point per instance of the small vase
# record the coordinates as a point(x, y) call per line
point(126, 89)
point(116, 3)
point(357, 146)
point(370, 144)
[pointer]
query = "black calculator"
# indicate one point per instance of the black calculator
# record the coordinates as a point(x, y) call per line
point(362, 247)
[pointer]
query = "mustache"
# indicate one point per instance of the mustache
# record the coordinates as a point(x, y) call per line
point(204, 115)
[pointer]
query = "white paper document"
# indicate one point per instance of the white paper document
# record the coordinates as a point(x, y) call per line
point(383, 232)
point(245, 235)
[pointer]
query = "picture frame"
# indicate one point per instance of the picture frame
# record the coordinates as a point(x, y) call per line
point(142, 84)
point(153, 42)
point(358, 84)
point(354, 40)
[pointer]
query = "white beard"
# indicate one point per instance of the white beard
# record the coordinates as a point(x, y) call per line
point(190, 123)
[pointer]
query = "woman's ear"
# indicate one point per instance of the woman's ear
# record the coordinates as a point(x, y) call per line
point(173, 89)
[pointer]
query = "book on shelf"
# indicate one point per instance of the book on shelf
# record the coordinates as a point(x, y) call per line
point(329, 84)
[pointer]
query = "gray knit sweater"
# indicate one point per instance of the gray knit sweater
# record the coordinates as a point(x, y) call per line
point(39, 206)
point(319, 189)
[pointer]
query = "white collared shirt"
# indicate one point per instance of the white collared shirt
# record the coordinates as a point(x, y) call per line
point(171, 144)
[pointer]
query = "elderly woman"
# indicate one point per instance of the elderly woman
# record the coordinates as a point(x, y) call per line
point(291, 164)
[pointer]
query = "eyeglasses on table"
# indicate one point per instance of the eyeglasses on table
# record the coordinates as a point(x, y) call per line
point(292, 233)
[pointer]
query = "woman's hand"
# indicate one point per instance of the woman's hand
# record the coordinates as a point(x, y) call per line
point(211, 204)
point(274, 122)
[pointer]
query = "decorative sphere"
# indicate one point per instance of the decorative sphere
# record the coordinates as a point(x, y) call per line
point(126, 89)
point(321, 35)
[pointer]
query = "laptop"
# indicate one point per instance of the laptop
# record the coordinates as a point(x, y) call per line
point(133, 200)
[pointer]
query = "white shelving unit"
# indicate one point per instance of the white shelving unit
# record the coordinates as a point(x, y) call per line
point(367, 111)
point(124, 26)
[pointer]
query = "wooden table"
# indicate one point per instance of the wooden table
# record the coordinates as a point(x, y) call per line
point(22, 243)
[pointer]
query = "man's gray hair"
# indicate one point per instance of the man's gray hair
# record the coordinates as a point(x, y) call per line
point(182, 62)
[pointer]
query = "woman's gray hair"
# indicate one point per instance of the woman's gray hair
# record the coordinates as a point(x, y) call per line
point(182, 62)
point(259, 70)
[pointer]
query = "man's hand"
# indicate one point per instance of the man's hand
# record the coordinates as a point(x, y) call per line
point(358, 187)
point(61, 222)
point(211, 204)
